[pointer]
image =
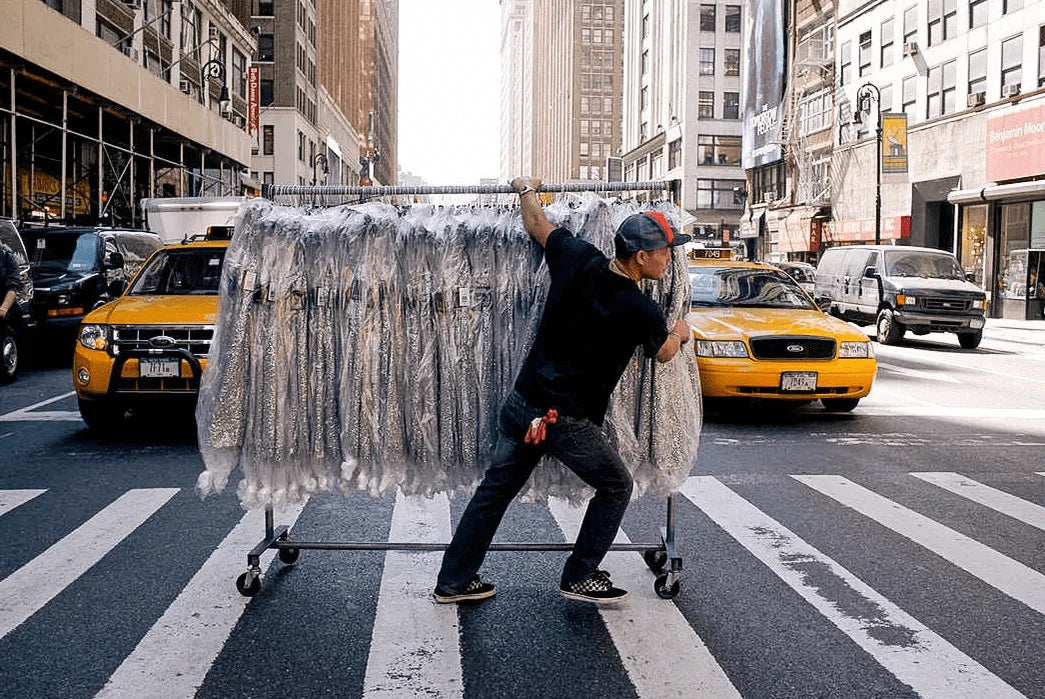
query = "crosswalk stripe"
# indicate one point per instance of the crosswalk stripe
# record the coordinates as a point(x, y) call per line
point(1011, 577)
point(33, 585)
point(10, 499)
point(657, 667)
point(924, 660)
point(415, 646)
point(174, 656)
point(1007, 504)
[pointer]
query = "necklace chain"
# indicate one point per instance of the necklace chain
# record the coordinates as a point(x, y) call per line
point(617, 267)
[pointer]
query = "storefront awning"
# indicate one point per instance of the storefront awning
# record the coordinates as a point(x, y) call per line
point(1016, 190)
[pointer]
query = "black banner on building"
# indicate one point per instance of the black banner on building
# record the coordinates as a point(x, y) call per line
point(763, 81)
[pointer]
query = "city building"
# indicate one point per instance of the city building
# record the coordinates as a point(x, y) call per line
point(682, 85)
point(562, 70)
point(969, 78)
point(104, 102)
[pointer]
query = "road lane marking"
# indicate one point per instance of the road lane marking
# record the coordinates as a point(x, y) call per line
point(998, 500)
point(915, 373)
point(36, 583)
point(1005, 574)
point(952, 411)
point(10, 499)
point(426, 661)
point(173, 657)
point(673, 660)
point(1022, 379)
point(26, 414)
point(900, 643)
point(904, 395)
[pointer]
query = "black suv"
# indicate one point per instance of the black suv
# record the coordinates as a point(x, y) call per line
point(75, 270)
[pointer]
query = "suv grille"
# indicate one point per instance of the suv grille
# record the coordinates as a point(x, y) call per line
point(793, 347)
point(194, 338)
point(946, 304)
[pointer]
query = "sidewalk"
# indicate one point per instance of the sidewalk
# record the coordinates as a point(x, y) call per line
point(1025, 331)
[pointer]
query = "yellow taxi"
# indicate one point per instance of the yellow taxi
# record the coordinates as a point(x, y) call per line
point(150, 344)
point(758, 334)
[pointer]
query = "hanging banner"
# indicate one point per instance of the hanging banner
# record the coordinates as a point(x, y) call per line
point(253, 99)
point(762, 90)
point(894, 143)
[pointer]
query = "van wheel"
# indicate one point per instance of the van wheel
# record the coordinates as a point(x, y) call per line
point(970, 340)
point(101, 416)
point(840, 405)
point(8, 355)
point(889, 329)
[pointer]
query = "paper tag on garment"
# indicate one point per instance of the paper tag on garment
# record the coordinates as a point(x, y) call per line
point(250, 278)
point(464, 297)
point(296, 300)
point(272, 293)
point(321, 296)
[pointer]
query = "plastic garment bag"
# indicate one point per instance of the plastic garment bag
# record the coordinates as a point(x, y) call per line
point(368, 348)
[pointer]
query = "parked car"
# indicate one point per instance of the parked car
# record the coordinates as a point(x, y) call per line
point(759, 335)
point(900, 288)
point(75, 270)
point(16, 329)
point(150, 345)
point(802, 272)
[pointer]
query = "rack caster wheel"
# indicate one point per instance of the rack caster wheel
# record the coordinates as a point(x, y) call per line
point(655, 559)
point(663, 589)
point(289, 556)
point(249, 584)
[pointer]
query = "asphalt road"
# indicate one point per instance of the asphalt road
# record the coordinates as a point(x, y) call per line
point(896, 551)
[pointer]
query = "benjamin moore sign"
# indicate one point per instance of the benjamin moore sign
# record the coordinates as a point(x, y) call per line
point(1016, 145)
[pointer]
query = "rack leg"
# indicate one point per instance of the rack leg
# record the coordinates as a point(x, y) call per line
point(249, 584)
point(667, 584)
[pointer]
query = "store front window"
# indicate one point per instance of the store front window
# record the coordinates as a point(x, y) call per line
point(1012, 268)
point(974, 243)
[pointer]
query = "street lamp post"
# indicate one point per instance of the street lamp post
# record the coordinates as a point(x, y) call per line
point(215, 70)
point(319, 164)
point(864, 96)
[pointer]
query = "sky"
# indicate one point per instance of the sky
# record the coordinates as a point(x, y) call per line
point(449, 90)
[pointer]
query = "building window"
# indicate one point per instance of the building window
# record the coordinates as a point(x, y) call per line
point(301, 147)
point(266, 97)
point(608, 37)
point(733, 18)
point(943, 20)
point(267, 177)
point(707, 61)
point(730, 105)
point(268, 140)
point(865, 54)
point(166, 8)
point(977, 13)
point(887, 42)
point(1041, 56)
point(1008, 6)
point(845, 59)
point(609, 13)
point(706, 105)
point(264, 8)
point(675, 154)
point(978, 71)
point(720, 194)
point(645, 26)
point(644, 63)
point(266, 50)
point(732, 61)
point(585, 35)
point(707, 18)
point(910, 25)
point(1011, 57)
point(718, 150)
point(814, 112)
point(910, 97)
point(940, 94)
point(644, 98)
point(643, 131)
point(239, 73)
point(886, 91)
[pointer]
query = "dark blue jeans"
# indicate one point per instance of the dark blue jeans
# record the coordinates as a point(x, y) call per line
point(582, 447)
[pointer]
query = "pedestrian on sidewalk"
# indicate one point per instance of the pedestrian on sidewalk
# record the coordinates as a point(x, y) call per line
point(594, 318)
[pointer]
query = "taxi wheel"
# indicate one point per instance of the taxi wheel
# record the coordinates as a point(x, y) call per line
point(8, 355)
point(840, 405)
point(888, 328)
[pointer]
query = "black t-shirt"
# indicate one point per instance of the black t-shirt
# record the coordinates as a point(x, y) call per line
point(10, 279)
point(593, 320)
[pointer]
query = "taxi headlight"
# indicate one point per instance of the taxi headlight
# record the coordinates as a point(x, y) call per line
point(979, 304)
point(849, 350)
point(94, 337)
point(720, 348)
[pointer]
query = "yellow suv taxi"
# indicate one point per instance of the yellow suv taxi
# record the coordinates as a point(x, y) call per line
point(150, 344)
point(758, 334)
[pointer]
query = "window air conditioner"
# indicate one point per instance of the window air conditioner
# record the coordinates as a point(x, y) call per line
point(1010, 90)
point(185, 86)
point(131, 53)
point(976, 99)
point(910, 49)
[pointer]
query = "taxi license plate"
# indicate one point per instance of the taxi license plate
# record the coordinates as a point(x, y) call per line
point(798, 381)
point(158, 368)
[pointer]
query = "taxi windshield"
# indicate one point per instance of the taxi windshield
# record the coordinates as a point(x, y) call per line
point(194, 271)
point(747, 287)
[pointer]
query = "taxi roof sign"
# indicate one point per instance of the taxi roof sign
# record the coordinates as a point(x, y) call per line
point(710, 254)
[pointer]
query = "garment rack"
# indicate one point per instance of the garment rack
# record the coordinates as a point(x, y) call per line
point(661, 557)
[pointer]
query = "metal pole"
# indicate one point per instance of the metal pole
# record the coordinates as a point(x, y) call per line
point(378, 191)
point(133, 154)
point(101, 166)
point(14, 149)
point(65, 143)
point(878, 175)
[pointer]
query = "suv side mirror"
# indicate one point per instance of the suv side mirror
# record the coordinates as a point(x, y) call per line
point(870, 272)
point(970, 276)
point(115, 260)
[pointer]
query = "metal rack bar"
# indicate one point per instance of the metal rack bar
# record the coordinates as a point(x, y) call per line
point(269, 191)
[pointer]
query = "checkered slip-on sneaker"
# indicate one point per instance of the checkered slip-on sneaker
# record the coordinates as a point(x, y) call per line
point(596, 588)
point(476, 589)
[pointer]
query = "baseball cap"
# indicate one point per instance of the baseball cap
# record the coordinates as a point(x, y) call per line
point(647, 231)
